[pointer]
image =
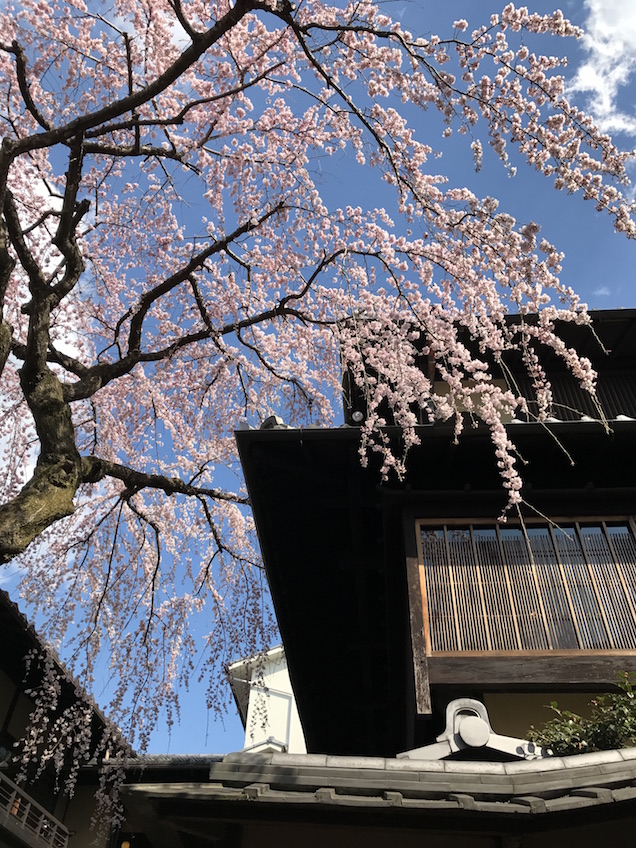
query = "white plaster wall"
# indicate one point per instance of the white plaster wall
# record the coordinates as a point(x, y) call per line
point(272, 713)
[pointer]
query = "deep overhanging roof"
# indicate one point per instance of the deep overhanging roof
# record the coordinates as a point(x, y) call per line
point(333, 542)
point(18, 639)
point(334, 538)
point(614, 328)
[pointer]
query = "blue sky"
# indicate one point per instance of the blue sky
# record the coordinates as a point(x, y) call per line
point(599, 263)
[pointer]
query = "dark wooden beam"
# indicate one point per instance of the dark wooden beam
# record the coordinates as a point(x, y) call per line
point(518, 670)
point(418, 642)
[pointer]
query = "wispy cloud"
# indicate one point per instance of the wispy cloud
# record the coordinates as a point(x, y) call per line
point(610, 45)
point(602, 291)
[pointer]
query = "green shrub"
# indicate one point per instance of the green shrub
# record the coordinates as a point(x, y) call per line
point(612, 723)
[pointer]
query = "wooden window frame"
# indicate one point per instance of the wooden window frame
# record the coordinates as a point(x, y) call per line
point(622, 613)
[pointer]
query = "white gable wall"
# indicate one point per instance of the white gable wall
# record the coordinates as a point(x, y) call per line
point(272, 722)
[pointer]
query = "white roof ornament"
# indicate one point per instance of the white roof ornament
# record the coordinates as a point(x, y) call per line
point(274, 422)
point(468, 726)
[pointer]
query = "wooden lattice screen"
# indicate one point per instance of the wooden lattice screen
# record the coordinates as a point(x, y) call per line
point(528, 589)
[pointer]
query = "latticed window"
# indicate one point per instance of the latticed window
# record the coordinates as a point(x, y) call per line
point(530, 589)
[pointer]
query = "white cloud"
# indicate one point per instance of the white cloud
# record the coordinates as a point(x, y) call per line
point(610, 45)
point(603, 291)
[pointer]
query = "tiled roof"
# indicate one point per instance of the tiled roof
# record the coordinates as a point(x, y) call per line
point(540, 786)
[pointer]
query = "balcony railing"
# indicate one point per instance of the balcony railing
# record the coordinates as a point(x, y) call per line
point(31, 823)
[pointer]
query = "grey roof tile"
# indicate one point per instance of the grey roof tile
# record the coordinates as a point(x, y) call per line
point(429, 804)
point(299, 760)
point(534, 766)
point(254, 790)
point(326, 795)
point(473, 768)
point(356, 762)
point(626, 769)
point(569, 802)
point(428, 766)
point(600, 793)
point(248, 757)
point(466, 802)
point(624, 793)
point(596, 758)
point(530, 787)
point(536, 804)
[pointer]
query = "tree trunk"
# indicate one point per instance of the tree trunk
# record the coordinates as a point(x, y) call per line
point(48, 496)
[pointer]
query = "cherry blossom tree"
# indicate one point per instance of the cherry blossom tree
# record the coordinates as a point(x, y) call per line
point(173, 262)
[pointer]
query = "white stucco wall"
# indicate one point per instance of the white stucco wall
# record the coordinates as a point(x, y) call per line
point(272, 721)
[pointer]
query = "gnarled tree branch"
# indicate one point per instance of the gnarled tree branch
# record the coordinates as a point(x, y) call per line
point(95, 469)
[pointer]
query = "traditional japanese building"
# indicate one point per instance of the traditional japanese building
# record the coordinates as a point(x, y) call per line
point(35, 809)
point(395, 598)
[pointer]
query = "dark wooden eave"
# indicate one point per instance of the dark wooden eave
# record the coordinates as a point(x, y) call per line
point(21, 651)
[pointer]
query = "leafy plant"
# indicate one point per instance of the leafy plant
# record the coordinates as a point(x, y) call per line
point(612, 723)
